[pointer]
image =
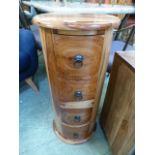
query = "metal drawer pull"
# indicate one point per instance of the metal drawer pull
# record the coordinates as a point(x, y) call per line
point(75, 135)
point(78, 61)
point(78, 95)
point(77, 118)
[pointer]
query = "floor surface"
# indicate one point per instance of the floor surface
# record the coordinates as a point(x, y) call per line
point(36, 115)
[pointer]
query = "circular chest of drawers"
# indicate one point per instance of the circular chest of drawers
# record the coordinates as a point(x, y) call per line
point(76, 51)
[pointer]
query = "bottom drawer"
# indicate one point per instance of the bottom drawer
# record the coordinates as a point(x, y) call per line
point(76, 116)
point(75, 133)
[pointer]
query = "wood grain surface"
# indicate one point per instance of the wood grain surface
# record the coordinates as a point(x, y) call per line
point(76, 21)
point(76, 116)
point(102, 70)
point(75, 133)
point(65, 89)
point(67, 47)
point(118, 114)
point(76, 50)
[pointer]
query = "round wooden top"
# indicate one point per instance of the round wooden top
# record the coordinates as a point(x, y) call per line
point(76, 21)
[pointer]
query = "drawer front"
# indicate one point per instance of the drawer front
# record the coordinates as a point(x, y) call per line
point(76, 116)
point(78, 57)
point(75, 133)
point(73, 90)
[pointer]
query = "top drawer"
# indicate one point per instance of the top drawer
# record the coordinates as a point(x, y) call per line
point(77, 57)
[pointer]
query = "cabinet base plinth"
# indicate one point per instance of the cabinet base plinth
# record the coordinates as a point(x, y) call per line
point(69, 141)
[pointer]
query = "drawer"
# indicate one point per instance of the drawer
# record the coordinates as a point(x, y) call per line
point(75, 133)
point(76, 116)
point(73, 90)
point(78, 57)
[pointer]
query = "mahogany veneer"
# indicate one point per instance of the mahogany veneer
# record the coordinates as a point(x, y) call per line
point(76, 51)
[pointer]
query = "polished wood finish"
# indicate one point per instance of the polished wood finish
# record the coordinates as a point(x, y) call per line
point(66, 89)
point(78, 105)
point(102, 69)
point(76, 116)
point(76, 21)
point(76, 50)
point(73, 133)
point(118, 114)
point(70, 141)
point(90, 47)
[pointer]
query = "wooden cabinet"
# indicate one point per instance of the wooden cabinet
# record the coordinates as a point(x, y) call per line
point(118, 114)
point(76, 51)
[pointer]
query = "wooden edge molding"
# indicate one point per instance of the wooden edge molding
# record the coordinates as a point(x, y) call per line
point(75, 126)
point(102, 70)
point(77, 105)
point(76, 22)
point(60, 136)
point(79, 32)
point(87, 25)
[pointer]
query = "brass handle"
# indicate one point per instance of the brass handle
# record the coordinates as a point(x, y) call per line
point(78, 95)
point(78, 61)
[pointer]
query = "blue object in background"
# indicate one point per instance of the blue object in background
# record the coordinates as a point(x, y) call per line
point(28, 58)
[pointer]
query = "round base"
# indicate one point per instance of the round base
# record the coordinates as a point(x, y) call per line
point(68, 141)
